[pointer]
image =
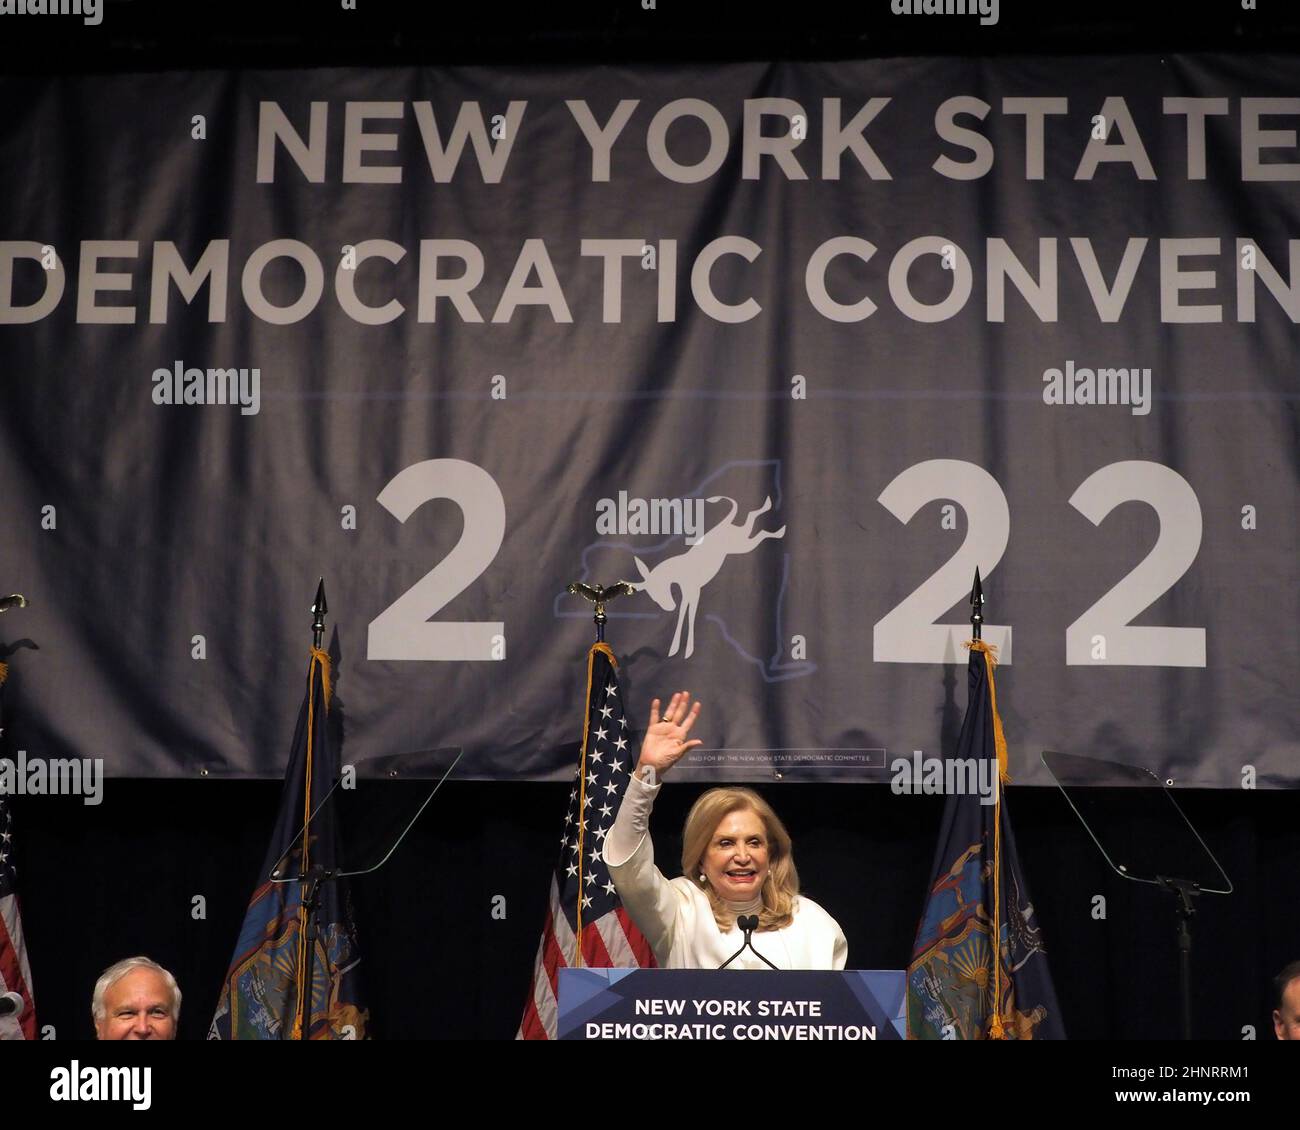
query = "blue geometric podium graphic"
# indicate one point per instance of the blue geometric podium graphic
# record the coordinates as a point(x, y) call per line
point(707, 1004)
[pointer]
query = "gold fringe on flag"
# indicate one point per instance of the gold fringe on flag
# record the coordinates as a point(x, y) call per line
point(608, 653)
point(996, 1029)
point(4, 672)
point(999, 738)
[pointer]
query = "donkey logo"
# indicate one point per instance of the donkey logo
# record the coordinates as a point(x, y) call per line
point(697, 566)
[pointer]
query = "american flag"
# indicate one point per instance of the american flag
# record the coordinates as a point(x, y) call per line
point(15, 973)
point(583, 901)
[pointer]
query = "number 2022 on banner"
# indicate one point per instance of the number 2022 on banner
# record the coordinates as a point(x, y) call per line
point(1103, 635)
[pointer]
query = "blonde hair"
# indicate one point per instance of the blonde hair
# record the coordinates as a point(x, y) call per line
point(781, 885)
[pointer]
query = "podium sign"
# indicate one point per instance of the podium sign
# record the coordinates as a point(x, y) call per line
point(705, 1004)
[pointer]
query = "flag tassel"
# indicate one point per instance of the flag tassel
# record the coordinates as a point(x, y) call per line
point(997, 1030)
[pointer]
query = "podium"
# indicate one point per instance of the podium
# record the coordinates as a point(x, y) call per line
point(850, 1005)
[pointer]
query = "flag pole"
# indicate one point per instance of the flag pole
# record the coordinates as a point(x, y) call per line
point(318, 610)
point(599, 595)
point(996, 1029)
point(311, 875)
point(13, 600)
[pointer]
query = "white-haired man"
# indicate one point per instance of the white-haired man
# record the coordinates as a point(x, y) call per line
point(1286, 1000)
point(136, 999)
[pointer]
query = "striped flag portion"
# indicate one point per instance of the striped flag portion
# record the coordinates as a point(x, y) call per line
point(583, 903)
point(15, 973)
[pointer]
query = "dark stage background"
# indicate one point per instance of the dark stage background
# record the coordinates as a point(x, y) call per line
point(103, 883)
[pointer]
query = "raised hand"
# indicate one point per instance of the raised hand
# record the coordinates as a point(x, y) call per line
point(665, 734)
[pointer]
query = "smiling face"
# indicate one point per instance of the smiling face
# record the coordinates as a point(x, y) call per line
point(736, 860)
point(137, 1006)
point(1286, 1020)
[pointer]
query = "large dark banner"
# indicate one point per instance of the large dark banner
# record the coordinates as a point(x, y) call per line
point(792, 347)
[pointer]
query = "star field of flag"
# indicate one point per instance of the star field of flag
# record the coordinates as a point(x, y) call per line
point(8, 873)
point(593, 803)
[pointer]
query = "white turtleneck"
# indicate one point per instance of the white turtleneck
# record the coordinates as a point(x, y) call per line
point(677, 918)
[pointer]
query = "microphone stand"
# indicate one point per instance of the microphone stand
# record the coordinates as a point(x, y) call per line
point(311, 889)
point(748, 923)
point(1184, 890)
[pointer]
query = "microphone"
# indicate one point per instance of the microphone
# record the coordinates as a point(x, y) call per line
point(11, 1004)
point(748, 923)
